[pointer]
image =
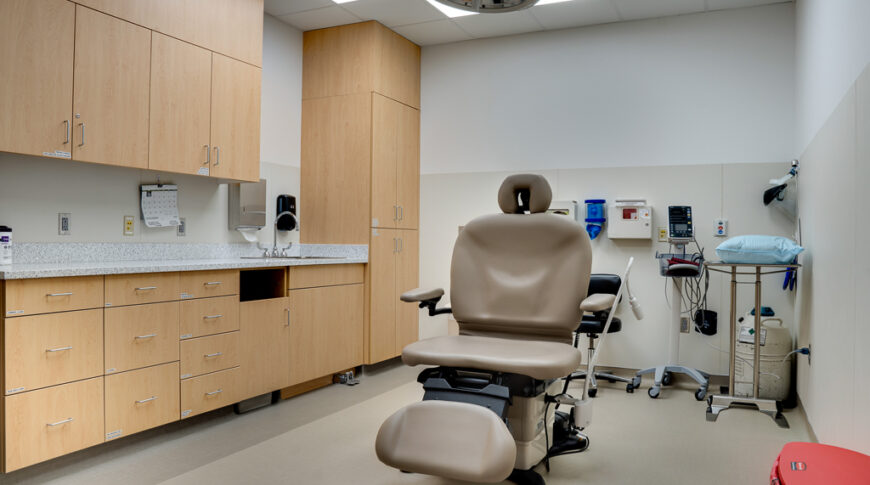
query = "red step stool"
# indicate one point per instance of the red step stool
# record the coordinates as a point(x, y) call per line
point(816, 464)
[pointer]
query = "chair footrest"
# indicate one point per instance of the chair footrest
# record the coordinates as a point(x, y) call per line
point(454, 440)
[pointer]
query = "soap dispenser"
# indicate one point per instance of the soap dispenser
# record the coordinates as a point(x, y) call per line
point(286, 203)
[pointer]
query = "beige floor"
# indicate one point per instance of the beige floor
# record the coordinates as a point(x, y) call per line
point(326, 437)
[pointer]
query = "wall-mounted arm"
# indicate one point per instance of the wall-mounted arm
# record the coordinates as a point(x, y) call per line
point(427, 298)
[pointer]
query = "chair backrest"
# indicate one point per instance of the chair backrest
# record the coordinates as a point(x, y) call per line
point(519, 275)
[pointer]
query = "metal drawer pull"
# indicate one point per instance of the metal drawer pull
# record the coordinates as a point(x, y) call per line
point(401, 212)
point(212, 393)
point(150, 335)
point(216, 354)
point(59, 349)
point(69, 293)
point(217, 152)
point(83, 135)
point(395, 213)
point(67, 420)
point(212, 317)
point(288, 317)
point(207, 154)
point(66, 122)
point(146, 288)
point(212, 283)
point(143, 401)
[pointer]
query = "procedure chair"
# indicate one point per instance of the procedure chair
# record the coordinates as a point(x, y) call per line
point(519, 283)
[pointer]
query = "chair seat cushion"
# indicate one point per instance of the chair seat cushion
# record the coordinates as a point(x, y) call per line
point(533, 358)
point(597, 326)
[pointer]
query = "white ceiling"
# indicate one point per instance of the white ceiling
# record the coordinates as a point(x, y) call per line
point(425, 25)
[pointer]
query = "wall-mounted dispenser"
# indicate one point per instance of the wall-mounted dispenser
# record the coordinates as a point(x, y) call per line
point(247, 208)
point(595, 217)
point(564, 208)
point(286, 203)
point(630, 219)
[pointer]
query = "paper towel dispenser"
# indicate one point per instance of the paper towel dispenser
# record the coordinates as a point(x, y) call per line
point(247, 205)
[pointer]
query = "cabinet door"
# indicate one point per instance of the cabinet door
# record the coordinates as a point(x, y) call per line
point(382, 298)
point(36, 73)
point(407, 271)
point(110, 99)
point(235, 119)
point(408, 167)
point(385, 130)
point(180, 106)
point(326, 331)
point(265, 346)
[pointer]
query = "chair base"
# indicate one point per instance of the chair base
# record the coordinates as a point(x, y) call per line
point(526, 477)
point(593, 382)
point(663, 376)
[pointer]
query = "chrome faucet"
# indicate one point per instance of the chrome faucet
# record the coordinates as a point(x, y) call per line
point(275, 253)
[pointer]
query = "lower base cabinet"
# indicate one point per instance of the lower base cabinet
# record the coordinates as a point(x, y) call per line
point(50, 422)
point(211, 391)
point(264, 345)
point(141, 399)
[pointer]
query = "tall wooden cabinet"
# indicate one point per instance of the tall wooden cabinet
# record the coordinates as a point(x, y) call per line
point(361, 165)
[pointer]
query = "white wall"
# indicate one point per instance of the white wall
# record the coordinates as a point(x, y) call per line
point(695, 89)
point(33, 189)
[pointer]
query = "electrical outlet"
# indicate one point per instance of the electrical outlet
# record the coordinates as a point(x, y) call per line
point(181, 229)
point(129, 225)
point(663, 234)
point(720, 227)
point(63, 223)
point(684, 324)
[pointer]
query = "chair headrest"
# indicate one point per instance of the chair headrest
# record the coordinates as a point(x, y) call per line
point(524, 192)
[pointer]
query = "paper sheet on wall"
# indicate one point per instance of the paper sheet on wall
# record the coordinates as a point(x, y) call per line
point(160, 205)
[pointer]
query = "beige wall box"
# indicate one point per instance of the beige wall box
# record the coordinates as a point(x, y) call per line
point(629, 219)
point(564, 208)
point(247, 205)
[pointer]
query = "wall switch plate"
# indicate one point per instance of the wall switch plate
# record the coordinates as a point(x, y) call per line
point(129, 225)
point(720, 227)
point(181, 229)
point(63, 223)
point(684, 324)
point(663, 234)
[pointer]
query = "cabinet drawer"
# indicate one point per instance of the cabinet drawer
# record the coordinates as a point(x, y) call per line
point(45, 350)
point(140, 336)
point(142, 288)
point(46, 295)
point(54, 421)
point(202, 284)
point(141, 399)
point(325, 275)
point(209, 354)
point(208, 392)
point(209, 316)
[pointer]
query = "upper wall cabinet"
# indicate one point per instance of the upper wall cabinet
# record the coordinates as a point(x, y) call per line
point(111, 85)
point(359, 58)
point(235, 119)
point(36, 72)
point(231, 27)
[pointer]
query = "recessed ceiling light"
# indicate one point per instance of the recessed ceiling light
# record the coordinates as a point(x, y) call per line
point(546, 2)
point(449, 11)
point(343, 1)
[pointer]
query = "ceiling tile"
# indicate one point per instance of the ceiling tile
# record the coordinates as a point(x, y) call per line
point(393, 13)
point(723, 4)
point(320, 18)
point(645, 9)
point(575, 14)
point(286, 7)
point(495, 24)
point(431, 33)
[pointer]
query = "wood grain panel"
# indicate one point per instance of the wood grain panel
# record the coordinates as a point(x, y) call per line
point(336, 169)
point(211, 391)
point(385, 131)
point(141, 399)
point(202, 284)
point(265, 346)
point(382, 298)
point(235, 119)
point(408, 168)
point(111, 88)
point(338, 60)
point(209, 316)
point(140, 336)
point(141, 288)
point(407, 278)
point(180, 106)
point(36, 72)
point(46, 350)
point(397, 73)
point(209, 354)
point(44, 295)
point(324, 275)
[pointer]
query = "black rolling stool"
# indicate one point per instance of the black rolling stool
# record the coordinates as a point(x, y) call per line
point(593, 325)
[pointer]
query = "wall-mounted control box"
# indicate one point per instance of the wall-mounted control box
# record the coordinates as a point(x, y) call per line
point(629, 219)
point(720, 227)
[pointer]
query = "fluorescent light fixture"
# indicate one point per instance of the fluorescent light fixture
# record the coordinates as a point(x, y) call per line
point(343, 1)
point(448, 10)
point(547, 2)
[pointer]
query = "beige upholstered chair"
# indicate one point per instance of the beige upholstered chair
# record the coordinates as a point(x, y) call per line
point(519, 281)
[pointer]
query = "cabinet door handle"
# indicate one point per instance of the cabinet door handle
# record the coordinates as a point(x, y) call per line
point(401, 212)
point(212, 283)
point(395, 213)
point(64, 421)
point(395, 245)
point(216, 354)
point(82, 125)
point(142, 337)
point(212, 393)
point(145, 288)
point(68, 293)
point(212, 317)
point(288, 317)
point(66, 123)
point(207, 154)
point(59, 349)
point(143, 401)
point(401, 244)
point(217, 153)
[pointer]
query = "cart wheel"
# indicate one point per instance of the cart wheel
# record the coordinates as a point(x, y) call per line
point(635, 382)
point(629, 388)
point(700, 394)
point(667, 379)
point(653, 392)
point(593, 392)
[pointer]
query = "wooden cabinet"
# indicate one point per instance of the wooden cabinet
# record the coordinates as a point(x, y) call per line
point(235, 119)
point(407, 278)
point(111, 87)
point(324, 275)
point(141, 288)
point(408, 168)
point(209, 354)
point(264, 345)
point(209, 316)
point(141, 399)
point(326, 331)
point(211, 391)
point(395, 164)
point(54, 421)
point(141, 335)
point(393, 270)
point(180, 106)
point(205, 284)
point(45, 295)
point(36, 72)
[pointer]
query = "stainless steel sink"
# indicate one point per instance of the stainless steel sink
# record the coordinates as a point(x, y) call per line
point(292, 257)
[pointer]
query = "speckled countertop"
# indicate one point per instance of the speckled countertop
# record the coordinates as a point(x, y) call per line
point(37, 260)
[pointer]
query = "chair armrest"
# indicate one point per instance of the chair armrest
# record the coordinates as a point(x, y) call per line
point(597, 302)
point(420, 295)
